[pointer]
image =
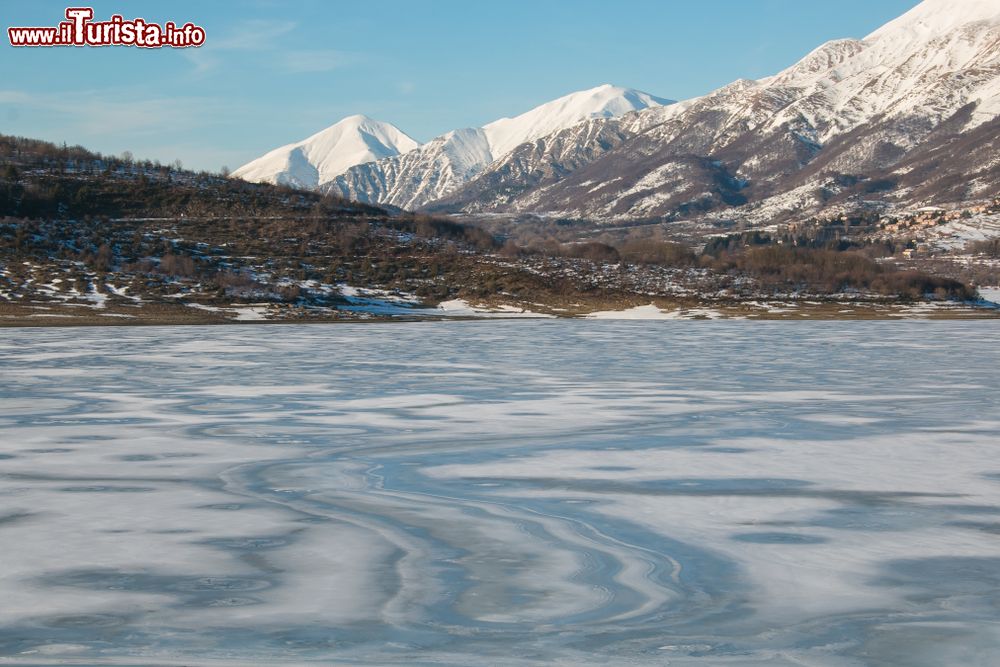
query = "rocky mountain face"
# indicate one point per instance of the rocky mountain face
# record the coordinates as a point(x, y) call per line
point(446, 163)
point(429, 173)
point(853, 119)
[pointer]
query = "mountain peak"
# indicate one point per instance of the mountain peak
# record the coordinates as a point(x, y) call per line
point(385, 132)
point(604, 101)
point(850, 106)
point(358, 139)
point(935, 17)
point(353, 140)
point(355, 119)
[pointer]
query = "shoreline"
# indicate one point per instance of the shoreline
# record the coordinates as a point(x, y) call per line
point(27, 316)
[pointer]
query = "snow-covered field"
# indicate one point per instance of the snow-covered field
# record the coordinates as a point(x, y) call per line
point(502, 493)
point(959, 233)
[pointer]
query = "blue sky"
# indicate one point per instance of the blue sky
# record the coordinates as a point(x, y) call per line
point(274, 72)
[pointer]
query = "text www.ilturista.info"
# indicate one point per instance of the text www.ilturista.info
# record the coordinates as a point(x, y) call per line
point(80, 30)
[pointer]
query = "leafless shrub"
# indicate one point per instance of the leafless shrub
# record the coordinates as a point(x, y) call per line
point(180, 266)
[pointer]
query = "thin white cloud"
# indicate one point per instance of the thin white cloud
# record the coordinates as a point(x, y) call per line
point(202, 60)
point(267, 36)
point(252, 35)
point(111, 122)
point(98, 114)
point(248, 35)
point(320, 60)
point(14, 97)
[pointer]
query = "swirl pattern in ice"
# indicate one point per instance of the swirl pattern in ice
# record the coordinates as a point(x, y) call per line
point(502, 493)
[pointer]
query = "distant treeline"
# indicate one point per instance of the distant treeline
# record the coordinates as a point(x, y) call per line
point(41, 180)
point(781, 268)
point(808, 265)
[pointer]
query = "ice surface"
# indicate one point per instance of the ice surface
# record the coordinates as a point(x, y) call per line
point(503, 493)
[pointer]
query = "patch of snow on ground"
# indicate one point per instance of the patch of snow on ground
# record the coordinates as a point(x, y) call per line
point(250, 313)
point(653, 312)
point(990, 295)
point(254, 313)
point(122, 292)
point(462, 308)
point(956, 234)
point(201, 306)
point(377, 302)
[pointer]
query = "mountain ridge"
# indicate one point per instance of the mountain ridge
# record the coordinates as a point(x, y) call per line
point(850, 110)
point(444, 163)
point(750, 141)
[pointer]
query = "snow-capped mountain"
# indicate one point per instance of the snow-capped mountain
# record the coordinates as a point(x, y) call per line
point(426, 174)
point(445, 163)
point(605, 101)
point(318, 159)
point(890, 117)
point(834, 125)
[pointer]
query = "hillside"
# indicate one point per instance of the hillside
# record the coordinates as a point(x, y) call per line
point(86, 238)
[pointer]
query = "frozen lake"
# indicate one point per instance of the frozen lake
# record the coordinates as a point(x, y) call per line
point(627, 493)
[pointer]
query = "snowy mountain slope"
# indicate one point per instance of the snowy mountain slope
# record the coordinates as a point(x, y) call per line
point(414, 178)
point(531, 165)
point(937, 16)
point(754, 140)
point(444, 164)
point(318, 159)
point(605, 101)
